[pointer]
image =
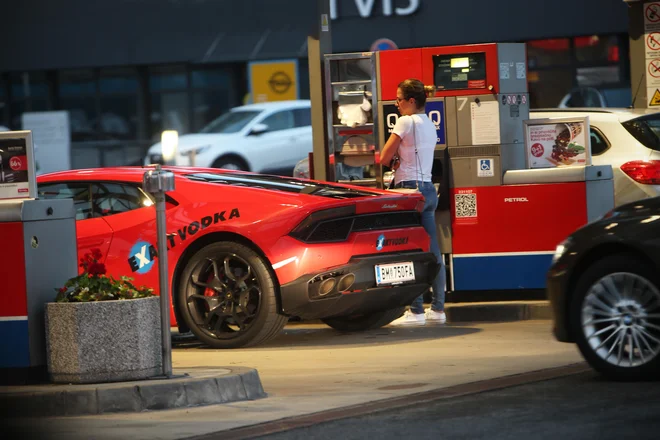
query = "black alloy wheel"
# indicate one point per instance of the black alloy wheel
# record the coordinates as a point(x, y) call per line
point(227, 297)
point(615, 316)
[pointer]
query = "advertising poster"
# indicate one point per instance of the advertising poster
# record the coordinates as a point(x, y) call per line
point(17, 178)
point(553, 143)
point(52, 139)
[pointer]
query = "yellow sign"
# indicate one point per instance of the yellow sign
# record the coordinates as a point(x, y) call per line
point(655, 100)
point(273, 80)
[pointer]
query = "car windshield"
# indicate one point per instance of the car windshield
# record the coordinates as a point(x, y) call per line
point(646, 130)
point(230, 122)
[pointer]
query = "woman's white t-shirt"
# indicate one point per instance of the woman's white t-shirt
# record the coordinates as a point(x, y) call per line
point(425, 137)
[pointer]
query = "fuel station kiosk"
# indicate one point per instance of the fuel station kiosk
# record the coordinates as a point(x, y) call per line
point(510, 188)
point(38, 254)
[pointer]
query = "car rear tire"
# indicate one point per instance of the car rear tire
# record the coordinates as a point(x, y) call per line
point(615, 316)
point(227, 297)
point(360, 323)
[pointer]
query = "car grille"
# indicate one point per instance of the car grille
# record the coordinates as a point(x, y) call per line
point(336, 230)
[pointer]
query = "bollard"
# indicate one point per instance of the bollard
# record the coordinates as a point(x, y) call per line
point(158, 182)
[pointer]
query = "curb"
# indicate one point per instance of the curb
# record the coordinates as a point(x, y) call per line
point(207, 387)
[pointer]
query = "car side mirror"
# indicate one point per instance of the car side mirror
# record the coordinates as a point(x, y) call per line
point(258, 129)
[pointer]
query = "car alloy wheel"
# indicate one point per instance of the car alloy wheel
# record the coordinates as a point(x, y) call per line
point(621, 319)
point(228, 296)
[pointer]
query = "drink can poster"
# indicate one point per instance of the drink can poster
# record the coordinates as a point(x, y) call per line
point(553, 143)
point(17, 178)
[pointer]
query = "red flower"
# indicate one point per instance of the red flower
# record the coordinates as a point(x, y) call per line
point(96, 269)
point(97, 254)
point(63, 289)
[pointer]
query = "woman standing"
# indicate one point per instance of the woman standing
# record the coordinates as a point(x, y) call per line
point(410, 150)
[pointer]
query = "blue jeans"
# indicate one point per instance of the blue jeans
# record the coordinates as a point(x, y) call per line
point(428, 221)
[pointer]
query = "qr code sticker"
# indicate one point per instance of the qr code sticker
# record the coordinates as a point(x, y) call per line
point(466, 205)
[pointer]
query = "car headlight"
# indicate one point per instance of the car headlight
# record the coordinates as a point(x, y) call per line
point(561, 249)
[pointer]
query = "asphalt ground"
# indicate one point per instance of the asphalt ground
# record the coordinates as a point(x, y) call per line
point(311, 370)
point(579, 406)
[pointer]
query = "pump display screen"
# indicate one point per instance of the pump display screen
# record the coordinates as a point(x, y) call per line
point(460, 71)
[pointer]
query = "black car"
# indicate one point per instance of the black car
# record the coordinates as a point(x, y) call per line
point(604, 288)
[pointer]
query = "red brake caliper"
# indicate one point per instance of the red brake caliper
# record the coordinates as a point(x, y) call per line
point(208, 291)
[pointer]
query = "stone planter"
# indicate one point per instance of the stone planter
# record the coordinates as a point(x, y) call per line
point(104, 341)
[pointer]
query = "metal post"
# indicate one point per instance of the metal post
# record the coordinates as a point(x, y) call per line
point(319, 43)
point(158, 182)
point(164, 284)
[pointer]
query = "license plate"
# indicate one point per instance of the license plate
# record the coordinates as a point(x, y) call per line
point(394, 273)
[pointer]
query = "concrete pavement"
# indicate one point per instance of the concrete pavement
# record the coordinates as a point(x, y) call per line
point(311, 368)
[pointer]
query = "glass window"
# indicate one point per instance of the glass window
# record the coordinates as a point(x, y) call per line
point(118, 103)
point(646, 130)
point(210, 78)
point(118, 117)
point(82, 117)
point(550, 52)
point(230, 122)
point(79, 192)
point(599, 143)
point(281, 120)
point(77, 83)
point(208, 106)
point(585, 97)
point(118, 83)
point(302, 117)
point(596, 49)
point(547, 88)
point(167, 78)
point(169, 111)
point(115, 198)
point(28, 84)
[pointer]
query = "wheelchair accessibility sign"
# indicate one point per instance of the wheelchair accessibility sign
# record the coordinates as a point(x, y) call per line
point(485, 168)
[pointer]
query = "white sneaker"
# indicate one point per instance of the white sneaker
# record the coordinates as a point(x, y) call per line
point(435, 317)
point(410, 318)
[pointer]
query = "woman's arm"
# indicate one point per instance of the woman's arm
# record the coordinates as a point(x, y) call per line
point(390, 149)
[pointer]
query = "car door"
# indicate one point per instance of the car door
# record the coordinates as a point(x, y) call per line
point(92, 231)
point(278, 142)
point(129, 212)
point(302, 121)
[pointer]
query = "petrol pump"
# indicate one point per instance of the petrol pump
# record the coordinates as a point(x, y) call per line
point(38, 254)
point(501, 212)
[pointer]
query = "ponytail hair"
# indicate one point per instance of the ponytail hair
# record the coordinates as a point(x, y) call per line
point(414, 88)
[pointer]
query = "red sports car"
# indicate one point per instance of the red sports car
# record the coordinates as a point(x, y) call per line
point(247, 251)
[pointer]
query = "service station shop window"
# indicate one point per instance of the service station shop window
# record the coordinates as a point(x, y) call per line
point(456, 72)
point(170, 109)
point(78, 96)
point(210, 95)
point(29, 93)
point(119, 96)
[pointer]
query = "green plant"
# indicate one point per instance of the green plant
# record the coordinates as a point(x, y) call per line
point(94, 285)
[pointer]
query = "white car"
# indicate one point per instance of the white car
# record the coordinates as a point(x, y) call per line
point(268, 137)
point(628, 140)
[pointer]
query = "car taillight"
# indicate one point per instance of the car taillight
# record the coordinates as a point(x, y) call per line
point(643, 171)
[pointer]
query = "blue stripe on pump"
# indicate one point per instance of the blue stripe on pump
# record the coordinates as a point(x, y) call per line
point(14, 344)
point(502, 272)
